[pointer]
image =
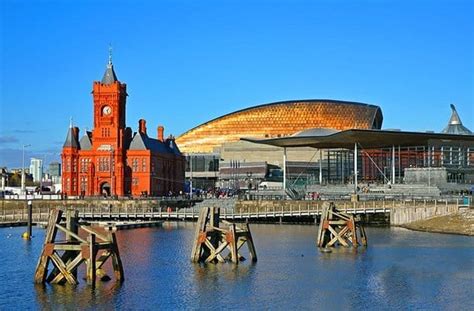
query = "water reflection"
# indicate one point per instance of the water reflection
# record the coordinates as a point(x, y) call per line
point(81, 297)
point(399, 269)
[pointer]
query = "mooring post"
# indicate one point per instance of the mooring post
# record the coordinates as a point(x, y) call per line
point(30, 219)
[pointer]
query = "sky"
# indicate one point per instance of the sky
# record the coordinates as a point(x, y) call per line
point(187, 62)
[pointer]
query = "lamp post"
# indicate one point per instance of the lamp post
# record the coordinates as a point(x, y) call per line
point(249, 179)
point(190, 176)
point(23, 177)
point(249, 183)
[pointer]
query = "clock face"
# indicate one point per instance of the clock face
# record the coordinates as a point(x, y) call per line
point(106, 110)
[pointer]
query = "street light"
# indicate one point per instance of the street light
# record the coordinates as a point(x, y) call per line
point(249, 179)
point(23, 177)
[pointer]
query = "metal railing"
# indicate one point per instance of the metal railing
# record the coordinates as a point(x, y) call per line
point(302, 208)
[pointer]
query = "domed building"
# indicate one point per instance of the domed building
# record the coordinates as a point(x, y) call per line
point(279, 119)
point(215, 150)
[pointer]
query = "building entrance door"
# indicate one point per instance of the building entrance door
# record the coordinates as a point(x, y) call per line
point(105, 189)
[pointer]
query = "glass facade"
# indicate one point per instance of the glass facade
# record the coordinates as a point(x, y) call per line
point(202, 162)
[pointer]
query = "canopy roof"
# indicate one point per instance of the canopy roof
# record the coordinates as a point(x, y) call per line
point(367, 139)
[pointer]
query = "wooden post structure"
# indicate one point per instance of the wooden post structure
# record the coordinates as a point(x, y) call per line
point(337, 227)
point(215, 244)
point(66, 256)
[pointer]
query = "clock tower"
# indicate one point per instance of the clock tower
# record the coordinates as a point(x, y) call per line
point(109, 109)
point(110, 160)
point(109, 132)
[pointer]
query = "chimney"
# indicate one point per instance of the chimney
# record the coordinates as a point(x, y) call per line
point(142, 126)
point(161, 132)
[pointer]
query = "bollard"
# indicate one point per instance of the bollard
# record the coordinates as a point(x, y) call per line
point(28, 233)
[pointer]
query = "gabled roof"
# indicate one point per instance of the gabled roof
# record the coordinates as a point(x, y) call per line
point(71, 140)
point(141, 141)
point(455, 125)
point(85, 141)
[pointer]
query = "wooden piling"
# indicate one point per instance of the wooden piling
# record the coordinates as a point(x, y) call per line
point(66, 256)
point(337, 227)
point(213, 243)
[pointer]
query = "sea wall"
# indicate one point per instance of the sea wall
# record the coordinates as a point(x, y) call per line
point(404, 215)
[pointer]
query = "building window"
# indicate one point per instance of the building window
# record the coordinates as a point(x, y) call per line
point(68, 165)
point(84, 165)
point(104, 164)
point(135, 181)
point(134, 165)
point(105, 132)
point(74, 165)
point(143, 165)
point(83, 183)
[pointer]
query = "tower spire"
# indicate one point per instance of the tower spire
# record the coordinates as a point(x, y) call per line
point(455, 125)
point(109, 74)
point(110, 54)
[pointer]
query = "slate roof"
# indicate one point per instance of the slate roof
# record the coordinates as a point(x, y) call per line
point(85, 141)
point(173, 147)
point(109, 74)
point(455, 125)
point(71, 141)
point(141, 141)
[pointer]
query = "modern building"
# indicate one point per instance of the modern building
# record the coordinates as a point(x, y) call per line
point(55, 172)
point(390, 156)
point(36, 169)
point(111, 159)
point(278, 120)
point(220, 138)
point(235, 139)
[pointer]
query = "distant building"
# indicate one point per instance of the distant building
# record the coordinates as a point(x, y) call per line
point(55, 172)
point(113, 160)
point(36, 169)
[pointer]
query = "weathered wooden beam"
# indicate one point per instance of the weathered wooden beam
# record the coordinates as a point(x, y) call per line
point(231, 238)
point(200, 227)
point(77, 237)
point(62, 268)
point(43, 261)
point(71, 266)
point(91, 231)
point(116, 260)
point(67, 247)
point(251, 245)
point(91, 273)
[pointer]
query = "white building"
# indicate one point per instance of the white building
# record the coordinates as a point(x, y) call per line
point(36, 169)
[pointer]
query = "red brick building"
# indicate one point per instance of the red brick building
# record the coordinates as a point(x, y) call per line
point(114, 161)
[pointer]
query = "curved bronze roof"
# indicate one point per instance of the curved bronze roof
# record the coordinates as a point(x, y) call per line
point(280, 119)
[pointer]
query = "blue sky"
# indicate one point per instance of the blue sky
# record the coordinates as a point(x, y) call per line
point(186, 62)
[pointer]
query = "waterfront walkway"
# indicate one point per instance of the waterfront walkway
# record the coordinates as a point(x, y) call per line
point(400, 211)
